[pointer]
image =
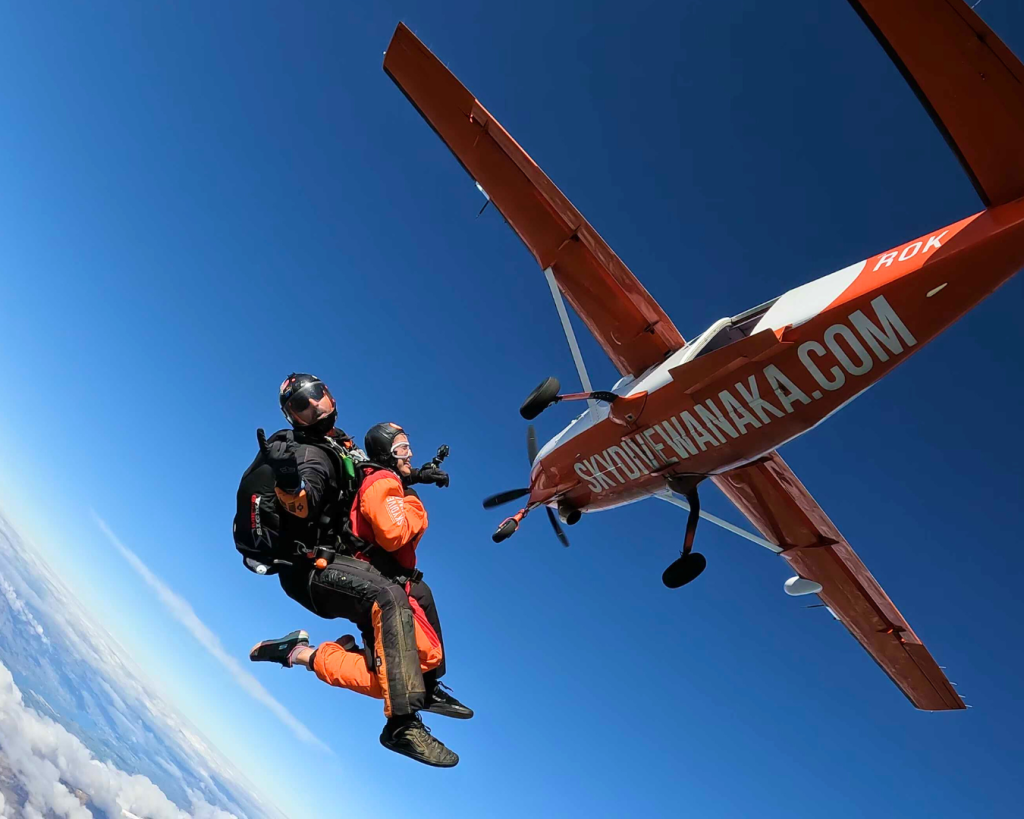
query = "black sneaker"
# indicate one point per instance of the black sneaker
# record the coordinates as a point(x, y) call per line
point(440, 701)
point(411, 738)
point(348, 642)
point(278, 651)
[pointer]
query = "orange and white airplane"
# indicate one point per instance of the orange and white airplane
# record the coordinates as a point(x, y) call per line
point(719, 406)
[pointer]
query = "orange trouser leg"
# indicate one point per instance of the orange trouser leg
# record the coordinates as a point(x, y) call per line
point(428, 644)
point(347, 669)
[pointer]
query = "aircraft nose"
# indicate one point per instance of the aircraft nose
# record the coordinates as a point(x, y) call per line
point(542, 486)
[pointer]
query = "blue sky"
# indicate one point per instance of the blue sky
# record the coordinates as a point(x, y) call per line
point(196, 200)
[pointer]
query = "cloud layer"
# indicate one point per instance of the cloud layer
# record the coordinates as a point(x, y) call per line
point(19, 608)
point(183, 612)
point(61, 775)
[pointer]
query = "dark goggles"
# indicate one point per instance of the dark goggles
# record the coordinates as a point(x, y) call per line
point(300, 399)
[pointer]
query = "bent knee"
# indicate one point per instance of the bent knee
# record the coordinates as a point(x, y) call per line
point(392, 597)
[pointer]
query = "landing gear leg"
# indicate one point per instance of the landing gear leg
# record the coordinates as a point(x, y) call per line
point(508, 526)
point(690, 564)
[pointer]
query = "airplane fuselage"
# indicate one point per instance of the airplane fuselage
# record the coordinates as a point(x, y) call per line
point(720, 405)
point(736, 393)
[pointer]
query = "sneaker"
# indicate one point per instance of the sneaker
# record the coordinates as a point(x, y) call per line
point(348, 642)
point(440, 701)
point(410, 737)
point(279, 651)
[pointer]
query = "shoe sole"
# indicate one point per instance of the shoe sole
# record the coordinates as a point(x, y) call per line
point(453, 714)
point(421, 759)
point(300, 636)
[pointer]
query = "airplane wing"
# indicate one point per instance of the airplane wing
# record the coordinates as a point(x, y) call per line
point(633, 330)
point(969, 82)
point(778, 505)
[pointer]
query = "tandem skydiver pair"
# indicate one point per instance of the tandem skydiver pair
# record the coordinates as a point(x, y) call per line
point(340, 527)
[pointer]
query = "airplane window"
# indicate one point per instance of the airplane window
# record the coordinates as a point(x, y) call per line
point(738, 328)
point(727, 335)
point(745, 322)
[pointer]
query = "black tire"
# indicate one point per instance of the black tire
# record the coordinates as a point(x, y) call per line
point(506, 530)
point(684, 570)
point(540, 399)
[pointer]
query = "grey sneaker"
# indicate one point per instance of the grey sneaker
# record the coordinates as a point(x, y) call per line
point(279, 651)
point(410, 737)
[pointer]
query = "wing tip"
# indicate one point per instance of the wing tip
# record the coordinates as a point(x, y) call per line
point(401, 36)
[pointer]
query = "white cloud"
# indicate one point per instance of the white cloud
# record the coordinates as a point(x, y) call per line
point(56, 769)
point(82, 642)
point(21, 609)
point(183, 612)
point(201, 809)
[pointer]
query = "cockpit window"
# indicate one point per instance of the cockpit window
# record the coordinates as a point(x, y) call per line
point(735, 329)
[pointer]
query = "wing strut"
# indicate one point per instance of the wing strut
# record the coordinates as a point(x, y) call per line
point(570, 336)
point(675, 500)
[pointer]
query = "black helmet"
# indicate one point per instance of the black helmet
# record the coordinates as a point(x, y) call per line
point(380, 443)
point(308, 404)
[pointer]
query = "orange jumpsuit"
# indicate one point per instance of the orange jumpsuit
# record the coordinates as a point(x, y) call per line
point(393, 518)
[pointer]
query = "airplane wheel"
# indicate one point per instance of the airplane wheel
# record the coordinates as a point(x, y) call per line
point(540, 399)
point(506, 530)
point(682, 571)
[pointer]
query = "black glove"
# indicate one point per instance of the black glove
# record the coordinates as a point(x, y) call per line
point(429, 473)
point(281, 457)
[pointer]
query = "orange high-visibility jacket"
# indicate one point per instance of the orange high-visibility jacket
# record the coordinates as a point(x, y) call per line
point(385, 515)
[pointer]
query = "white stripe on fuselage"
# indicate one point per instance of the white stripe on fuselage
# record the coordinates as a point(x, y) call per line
point(803, 303)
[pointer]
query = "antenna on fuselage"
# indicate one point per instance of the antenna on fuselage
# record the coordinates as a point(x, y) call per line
point(570, 336)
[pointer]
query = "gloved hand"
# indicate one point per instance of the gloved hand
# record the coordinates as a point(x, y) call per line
point(429, 473)
point(281, 457)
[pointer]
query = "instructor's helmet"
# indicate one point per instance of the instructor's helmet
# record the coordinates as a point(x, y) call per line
point(381, 448)
point(308, 404)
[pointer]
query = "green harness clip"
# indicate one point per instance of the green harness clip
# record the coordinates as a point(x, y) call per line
point(350, 468)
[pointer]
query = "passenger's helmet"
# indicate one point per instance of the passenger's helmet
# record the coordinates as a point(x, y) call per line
point(380, 445)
